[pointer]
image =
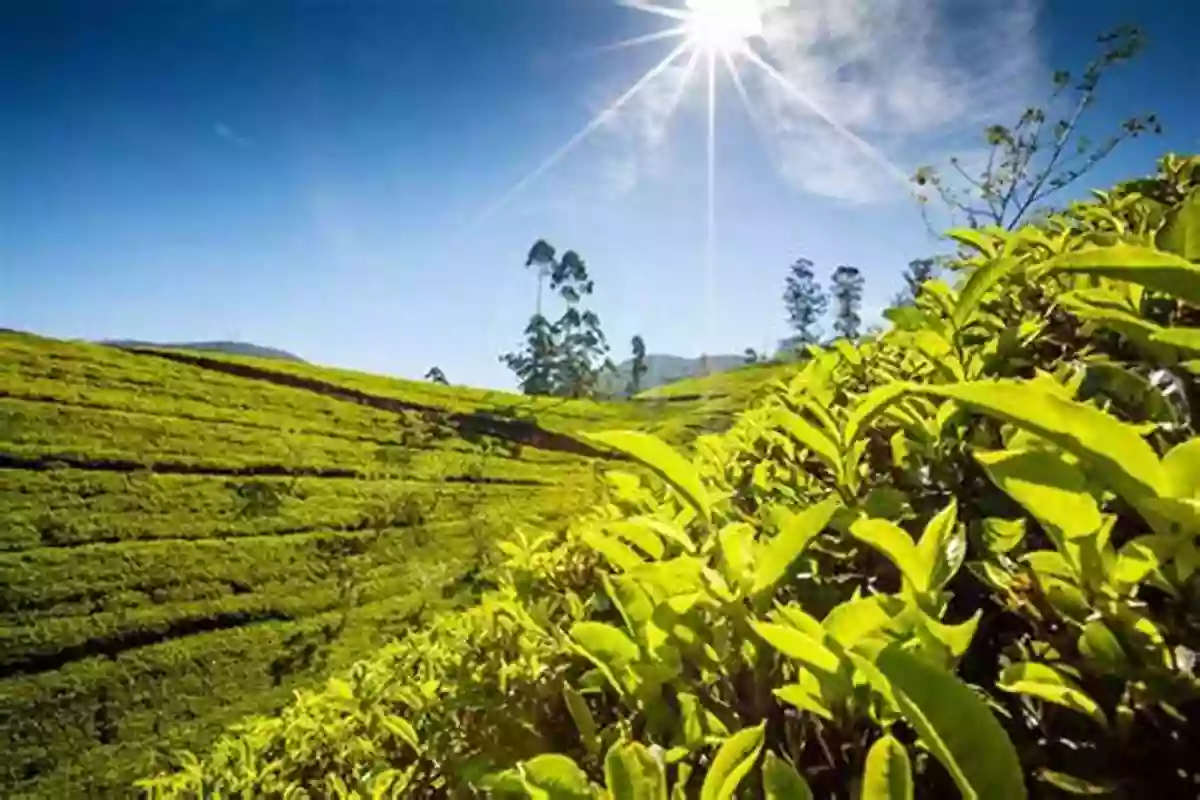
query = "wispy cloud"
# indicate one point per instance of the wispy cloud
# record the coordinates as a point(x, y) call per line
point(228, 134)
point(915, 78)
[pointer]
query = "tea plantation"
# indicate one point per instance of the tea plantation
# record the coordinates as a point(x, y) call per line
point(959, 557)
point(186, 538)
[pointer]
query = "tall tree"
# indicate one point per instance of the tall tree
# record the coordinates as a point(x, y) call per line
point(805, 302)
point(584, 350)
point(436, 375)
point(918, 271)
point(847, 291)
point(535, 365)
point(1035, 158)
point(637, 370)
point(566, 357)
point(541, 255)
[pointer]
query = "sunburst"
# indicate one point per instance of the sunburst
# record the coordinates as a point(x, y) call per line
point(710, 33)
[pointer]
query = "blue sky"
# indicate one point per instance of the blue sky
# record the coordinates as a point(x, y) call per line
point(309, 174)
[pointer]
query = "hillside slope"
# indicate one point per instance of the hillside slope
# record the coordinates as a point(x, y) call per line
point(233, 348)
point(664, 369)
point(187, 537)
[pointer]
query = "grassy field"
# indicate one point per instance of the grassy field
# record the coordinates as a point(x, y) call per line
point(187, 538)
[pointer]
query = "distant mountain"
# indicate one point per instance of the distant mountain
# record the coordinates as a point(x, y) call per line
point(664, 369)
point(232, 348)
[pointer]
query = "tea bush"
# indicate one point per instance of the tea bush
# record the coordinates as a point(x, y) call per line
point(957, 558)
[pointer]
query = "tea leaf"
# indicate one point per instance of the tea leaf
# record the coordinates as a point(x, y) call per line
point(732, 763)
point(942, 547)
point(662, 460)
point(897, 545)
point(585, 723)
point(1050, 488)
point(1181, 234)
point(956, 726)
point(1112, 448)
point(1002, 535)
point(776, 557)
point(781, 781)
point(888, 774)
point(632, 773)
point(557, 777)
point(1045, 683)
point(800, 646)
point(1182, 467)
point(1154, 269)
point(803, 432)
point(977, 286)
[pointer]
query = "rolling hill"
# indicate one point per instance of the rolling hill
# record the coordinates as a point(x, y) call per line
point(186, 536)
point(232, 348)
point(663, 369)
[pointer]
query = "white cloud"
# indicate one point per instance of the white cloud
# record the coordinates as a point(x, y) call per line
point(914, 78)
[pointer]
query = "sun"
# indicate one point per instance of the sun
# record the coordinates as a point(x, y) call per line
point(722, 26)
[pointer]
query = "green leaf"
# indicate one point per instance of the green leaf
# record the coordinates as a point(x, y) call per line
point(1100, 645)
point(955, 638)
point(975, 239)
point(888, 774)
point(1046, 683)
point(1115, 451)
point(557, 776)
point(1186, 340)
point(668, 531)
point(403, 730)
point(697, 721)
point(1072, 784)
point(1050, 488)
point(854, 620)
point(977, 286)
point(1181, 465)
point(866, 409)
point(776, 557)
point(942, 547)
point(1181, 234)
point(616, 552)
point(585, 723)
point(1143, 556)
point(1154, 269)
point(807, 694)
point(638, 534)
point(781, 781)
point(1002, 535)
point(806, 434)
point(956, 726)
point(608, 647)
point(632, 773)
point(662, 460)
point(798, 645)
point(895, 543)
point(732, 763)
point(737, 550)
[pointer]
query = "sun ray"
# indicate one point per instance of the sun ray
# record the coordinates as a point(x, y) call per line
point(577, 139)
point(866, 147)
point(710, 254)
point(677, 98)
point(740, 86)
point(648, 38)
point(644, 5)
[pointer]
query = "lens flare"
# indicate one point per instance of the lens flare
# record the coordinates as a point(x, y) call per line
point(722, 26)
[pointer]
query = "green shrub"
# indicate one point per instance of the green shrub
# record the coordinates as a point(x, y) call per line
point(928, 562)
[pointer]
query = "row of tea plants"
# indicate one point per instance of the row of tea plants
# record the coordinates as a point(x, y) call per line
point(957, 558)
